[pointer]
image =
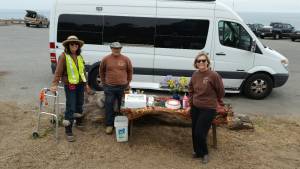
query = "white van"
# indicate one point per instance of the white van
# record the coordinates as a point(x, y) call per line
point(162, 37)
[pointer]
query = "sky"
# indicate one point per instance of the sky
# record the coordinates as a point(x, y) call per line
point(239, 5)
point(283, 6)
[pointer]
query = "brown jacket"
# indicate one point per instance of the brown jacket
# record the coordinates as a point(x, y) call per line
point(116, 70)
point(61, 71)
point(206, 89)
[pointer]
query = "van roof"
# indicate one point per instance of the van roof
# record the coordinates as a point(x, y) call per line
point(208, 6)
point(129, 2)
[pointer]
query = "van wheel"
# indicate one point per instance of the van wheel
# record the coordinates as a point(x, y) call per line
point(258, 86)
point(94, 80)
point(293, 39)
point(261, 36)
point(277, 36)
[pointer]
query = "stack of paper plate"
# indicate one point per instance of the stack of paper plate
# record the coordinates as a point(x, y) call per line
point(172, 104)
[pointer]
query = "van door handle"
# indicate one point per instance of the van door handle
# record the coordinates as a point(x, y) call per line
point(221, 53)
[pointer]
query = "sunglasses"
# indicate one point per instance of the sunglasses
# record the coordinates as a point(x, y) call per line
point(201, 60)
point(74, 44)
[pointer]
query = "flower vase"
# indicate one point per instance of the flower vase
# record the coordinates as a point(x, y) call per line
point(176, 96)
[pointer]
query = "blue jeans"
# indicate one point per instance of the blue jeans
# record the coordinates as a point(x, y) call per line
point(74, 101)
point(112, 94)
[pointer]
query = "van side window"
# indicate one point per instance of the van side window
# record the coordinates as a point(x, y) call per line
point(181, 33)
point(234, 35)
point(88, 28)
point(129, 30)
point(135, 31)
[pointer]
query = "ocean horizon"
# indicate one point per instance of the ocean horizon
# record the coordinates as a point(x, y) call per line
point(264, 18)
point(19, 13)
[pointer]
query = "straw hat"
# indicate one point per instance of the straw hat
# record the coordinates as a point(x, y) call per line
point(72, 38)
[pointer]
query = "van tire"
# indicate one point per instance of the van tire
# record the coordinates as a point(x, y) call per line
point(94, 80)
point(258, 86)
point(293, 39)
point(277, 36)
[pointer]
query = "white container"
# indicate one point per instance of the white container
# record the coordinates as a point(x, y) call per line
point(121, 128)
point(135, 100)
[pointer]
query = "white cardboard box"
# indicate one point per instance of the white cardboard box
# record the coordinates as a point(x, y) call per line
point(135, 101)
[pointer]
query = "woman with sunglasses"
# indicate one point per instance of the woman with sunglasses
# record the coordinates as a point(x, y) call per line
point(71, 71)
point(205, 90)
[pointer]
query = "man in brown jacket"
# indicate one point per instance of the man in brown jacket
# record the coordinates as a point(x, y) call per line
point(116, 73)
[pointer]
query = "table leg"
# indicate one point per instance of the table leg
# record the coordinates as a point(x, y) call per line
point(130, 126)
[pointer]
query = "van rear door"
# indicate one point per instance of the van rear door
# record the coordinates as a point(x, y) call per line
point(232, 54)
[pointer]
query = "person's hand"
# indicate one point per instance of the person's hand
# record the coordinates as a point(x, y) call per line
point(53, 89)
point(88, 90)
point(188, 112)
point(127, 87)
point(188, 109)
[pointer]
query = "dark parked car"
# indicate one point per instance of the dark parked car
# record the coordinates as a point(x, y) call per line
point(277, 30)
point(256, 27)
point(295, 35)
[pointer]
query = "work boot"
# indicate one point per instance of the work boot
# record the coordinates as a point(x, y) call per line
point(70, 137)
point(69, 133)
point(194, 155)
point(77, 115)
point(205, 159)
point(79, 123)
point(109, 130)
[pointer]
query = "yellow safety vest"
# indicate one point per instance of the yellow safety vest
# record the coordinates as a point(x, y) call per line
point(73, 72)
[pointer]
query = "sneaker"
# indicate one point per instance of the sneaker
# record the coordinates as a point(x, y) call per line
point(109, 130)
point(205, 159)
point(70, 137)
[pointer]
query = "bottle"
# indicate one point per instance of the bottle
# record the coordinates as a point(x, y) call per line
point(185, 102)
point(150, 101)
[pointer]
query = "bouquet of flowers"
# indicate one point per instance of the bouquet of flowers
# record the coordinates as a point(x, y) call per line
point(175, 84)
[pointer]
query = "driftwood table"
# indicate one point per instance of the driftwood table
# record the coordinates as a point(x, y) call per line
point(136, 113)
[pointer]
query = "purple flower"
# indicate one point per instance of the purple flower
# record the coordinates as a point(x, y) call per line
point(164, 82)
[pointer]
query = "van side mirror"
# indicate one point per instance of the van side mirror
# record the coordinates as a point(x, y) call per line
point(253, 46)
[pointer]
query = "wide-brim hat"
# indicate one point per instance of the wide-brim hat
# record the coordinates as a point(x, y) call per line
point(116, 45)
point(74, 39)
